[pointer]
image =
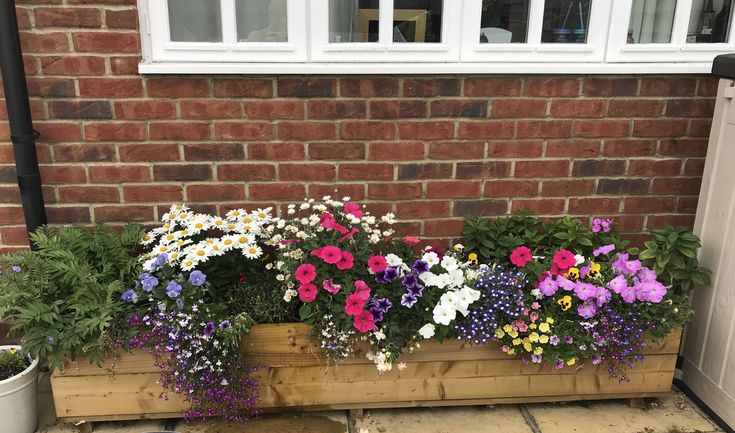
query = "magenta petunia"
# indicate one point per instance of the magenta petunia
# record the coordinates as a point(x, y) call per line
point(354, 304)
point(564, 259)
point(307, 292)
point(364, 321)
point(305, 273)
point(331, 255)
point(377, 263)
point(521, 256)
point(362, 289)
point(346, 261)
point(353, 209)
point(330, 287)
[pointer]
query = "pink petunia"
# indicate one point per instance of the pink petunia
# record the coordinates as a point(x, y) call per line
point(603, 296)
point(585, 291)
point(349, 235)
point(330, 287)
point(564, 259)
point(307, 292)
point(354, 304)
point(618, 284)
point(340, 228)
point(377, 263)
point(364, 321)
point(565, 284)
point(331, 254)
point(327, 220)
point(533, 316)
point(587, 309)
point(346, 261)
point(646, 274)
point(548, 287)
point(628, 294)
point(362, 289)
point(605, 249)
point(305, 273)
point(317, 252)
point(651, 291)
point(521, 256)
point(353, 209)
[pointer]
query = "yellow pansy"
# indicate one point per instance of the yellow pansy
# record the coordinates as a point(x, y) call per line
point(513, 333)
point(565, 302)
point(516, 341)
point(499, 333)
point(594, 270)
point(572, 274)
point(571, 361)
point(472, 257)
point(543, 339)
point(533, 337)
point(507, 328)
point(527, 345)
point(544, 327)
point(538, 350)
point(550, 319)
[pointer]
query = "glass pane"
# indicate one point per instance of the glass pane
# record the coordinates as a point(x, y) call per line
point(417, 21)
point(195, 21)
point(353, 21)
point(504, 21)
point(566, 21)
point(651, 21)
point(709, 21)
point(261, 20)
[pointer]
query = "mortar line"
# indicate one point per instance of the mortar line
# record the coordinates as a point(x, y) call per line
point(530, 420)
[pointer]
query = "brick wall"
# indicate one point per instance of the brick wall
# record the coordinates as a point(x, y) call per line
point(117, 147)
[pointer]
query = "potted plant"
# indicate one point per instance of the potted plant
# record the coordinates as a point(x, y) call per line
point(18, 383)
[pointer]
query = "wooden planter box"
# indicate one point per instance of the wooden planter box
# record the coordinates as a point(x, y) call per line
point(297, 377)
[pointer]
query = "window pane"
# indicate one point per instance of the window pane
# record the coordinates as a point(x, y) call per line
point(195, 21)
point(353, 21)
point(504, 21)
point(709, 21)
point(261, 20)
point(651, 21)
point(566, 21)
point(417, 21)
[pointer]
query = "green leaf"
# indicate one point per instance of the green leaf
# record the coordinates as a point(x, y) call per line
point(305, 312)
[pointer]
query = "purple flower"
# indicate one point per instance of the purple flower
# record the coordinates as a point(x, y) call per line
point(409, 280)
point(209, 329)
point(416, 290)
point(391, 273)
point(17, 269)
point(619, 264)
point(383, 304)
point(618, 284)
point(536, 359)
point(588, 309)
point(565, 283)
point(645, 274)
point(584, 271)
point(420, 266)
point(173, 289)
point(632, 266)
point(378, 315)
point(408, 300)
point(605, 249)
point(651, 291)
point(585, 291)
point(197, 278)
point(629, 294)
point(180, 303)
point(51, 339)
point(148, 282)
point(568, 339)
point(559, 364)
point(603, 296)
point(596, 359)
point(225, 324)
point(596, 225)
point(606, 225)
point(548, 286)
point(130, 296)
point(554, 340)
point(161, 260)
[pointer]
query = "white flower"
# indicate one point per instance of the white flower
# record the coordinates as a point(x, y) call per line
point(459, 247)
point(379, 335)
point(428, 278)
point(449, 263)
point(252, 251)
point(289, 294)
point(444, 314)
point(579, 259)
point(456, 277)
point(431, 258)
point(427, 331)
point(374, 239)
point(450, 299)
point(537, 293)
point(393, 260)
point(401, 366)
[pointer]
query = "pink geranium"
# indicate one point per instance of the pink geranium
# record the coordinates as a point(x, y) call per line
point(346, 261)
point(521, 256)
point(305, 273)
point(377, 263)
point(362, 289)
point(354, 304)
point(364, 321)
point(331, 255)
point(307, 292)
point(564, 259)
point(330, 287)
point(353, 209)
point(410, 240)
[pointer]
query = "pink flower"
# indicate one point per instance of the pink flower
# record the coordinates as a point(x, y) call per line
point(520, 325)
point(327, 220)
point(331, 255)
point(362, 289)
point(535, 305)
point(307, 292)
point(651, 291)
point(628, 294)
point(564, 259)
point(548, 287)
point(340, 228)
point(305, 273)
point(588, 309)
point(565, 284)
point(353, 209)
point(410, 240)
point(317, 252)
point(377, 263)
point(521, 256)
point(354, 304)
point(533, 316)
point(331, 287)
point(618, 284)
point(585, 291)
point(603, 296)
point(349, 235)
point(364, 321)
point(346, 261)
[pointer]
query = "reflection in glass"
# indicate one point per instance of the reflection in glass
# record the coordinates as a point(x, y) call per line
point(709, 21)
point(194, 21)
point(566, 21)
point(651, 21)
point(353, 21)
point(417, 21)
point(262, 20)
point(504, 21)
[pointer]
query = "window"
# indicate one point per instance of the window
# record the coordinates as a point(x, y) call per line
point(452, 36)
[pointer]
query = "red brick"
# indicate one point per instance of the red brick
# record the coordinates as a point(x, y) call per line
point(367, 130)
point(67, 214)
point(676, 185)
point(118, 174)
point(307, 131)
point(145, 110)
point(44, 42)
point(635, 108)
point(690, 107)
point(490, 86)
point(51, 87)
point(707, 86)
point(444, 227)
point(396, 150)
point(243, 131)
point(648, 205)
point(121, 19)
point(629, 223)
point(339, 109)
point(217, 192)
point(243, 88)
point(683, 147)
point(548, 168)
point(11, 215)
point(275, 151)
point(515, 149)
point(574, 148)
point(84, 152)
point(428, 130)
point(10, 194)
point(125, 213)
point(187, 172)
point(577, 108)
point(303, 171)
point(431, 87)
point(694, 167)
point(541, 207)
point(511, 188)
point(14, 236)
point(368, 87)
point(72, 65)
point(623, 186)
point(424, 171)
point(552, 87)
point(687, 204)
point(457, 150)
point(567, 187)
point(699, 127)
point(453, 189)
point(601, 128)
point(153, 193)
point(274, 110)
point(57, 132)
point(668, 86)
point(610, 87)
point(106, 42)
point(127, 65)
point(114, 132)
point(593, 206)
point(659, 128)
point(629, 147)
point(110, 87)
point(482, 170)
point(277, 191)
point(213, 151)
point(480, 207)
point(89, 194)
point(62, 174)
point(459, 108)
point(544, 128)
point(175, 87)
point(650, 167)
point(23, 16)
point(394, 191)
point(599, 167)
point(67, 17)
point(395, 109)
point(422, 209)
point(518, 108)
point(354, 191)
point(210, 109)
point(80, 110)
point(337, 150)
point(658, 221)
point(246, 172)
point(306, 87)
point(149, 152)
point(374, 171)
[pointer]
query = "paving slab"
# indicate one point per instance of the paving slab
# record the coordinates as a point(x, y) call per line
point(672, 414)
point(468, 419)
point(312, 422)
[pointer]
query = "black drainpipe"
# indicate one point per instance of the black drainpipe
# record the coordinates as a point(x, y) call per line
point(22, 133)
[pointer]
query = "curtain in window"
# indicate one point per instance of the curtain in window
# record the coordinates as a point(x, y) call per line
point(651, 21)
point(343, 21)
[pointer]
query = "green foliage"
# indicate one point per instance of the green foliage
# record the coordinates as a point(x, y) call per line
point(261, 295)
point(12, 362)
point(64, 298)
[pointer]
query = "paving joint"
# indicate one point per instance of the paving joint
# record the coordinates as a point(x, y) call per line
point(528, 417)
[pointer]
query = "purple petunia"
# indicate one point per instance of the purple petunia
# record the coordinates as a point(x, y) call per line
point(618, 284)
point(225, 324)
point(209, 329)
point(554, 340)
point(391, 273)
point(559, 364)
point(383, 304)
point(645, 274)
point(568, 339)
point(409, 280)
point(585, 291)
point(548, 287)
point(416, 290)
point(408, 300)
point(565, 283)
point(603, 296)
point(420, 266)
point(587, 309)
point(605, 249)
point(651, 291)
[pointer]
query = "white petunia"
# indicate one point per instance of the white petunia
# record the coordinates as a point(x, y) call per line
point(444, 314)
point(289, 294)
point(431, 258)
point(579, 259)
point(393, 260)
point(379, 335)
point(449, 263)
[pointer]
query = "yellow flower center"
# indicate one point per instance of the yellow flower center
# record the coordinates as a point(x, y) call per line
point(200, 253)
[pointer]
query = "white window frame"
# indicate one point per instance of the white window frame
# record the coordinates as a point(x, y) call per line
point(534, 50)
point(678, 50)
